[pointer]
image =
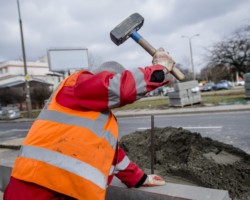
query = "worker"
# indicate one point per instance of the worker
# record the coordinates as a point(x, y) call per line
point(71, 150)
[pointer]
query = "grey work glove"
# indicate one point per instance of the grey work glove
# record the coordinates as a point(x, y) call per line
point(163, 58)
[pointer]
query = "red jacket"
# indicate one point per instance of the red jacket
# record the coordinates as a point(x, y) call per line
point(93, 92)
point(100, 92)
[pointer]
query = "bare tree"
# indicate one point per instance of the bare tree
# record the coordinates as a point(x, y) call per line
point(233, 52)
point(188, 74)
point(39, 94)
point(206, 74)
point(13, 95)
point(216, 73)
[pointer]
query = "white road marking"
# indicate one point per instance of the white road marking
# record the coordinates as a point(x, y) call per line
point(188, 127)
point(143, 128)
point(203, 127)
point(14, 130)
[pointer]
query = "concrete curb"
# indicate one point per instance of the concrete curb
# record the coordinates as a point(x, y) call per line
point(185, 110)
point(168, 111)
point(14, 144)
point(10, 146)
point(17, 120)
point(170, 191)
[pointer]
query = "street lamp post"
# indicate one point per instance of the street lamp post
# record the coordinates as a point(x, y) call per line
point(28, 99)
point(191, 51)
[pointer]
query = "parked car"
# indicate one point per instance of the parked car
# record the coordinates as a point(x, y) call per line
point(208, 87)
point(223, 85)
point(155, 92)
point(195, 89)
point(9, 113)
point(167, 90)
point(240, 83)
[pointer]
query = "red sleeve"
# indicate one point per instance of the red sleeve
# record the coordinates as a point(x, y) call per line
point(106, 90)
point(128, 172)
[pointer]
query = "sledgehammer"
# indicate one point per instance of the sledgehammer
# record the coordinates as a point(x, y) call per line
point(128, 28)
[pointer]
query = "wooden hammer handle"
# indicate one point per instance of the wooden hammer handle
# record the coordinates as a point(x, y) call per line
point(151, 50)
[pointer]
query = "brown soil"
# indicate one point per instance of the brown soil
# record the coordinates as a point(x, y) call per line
point(192, 159)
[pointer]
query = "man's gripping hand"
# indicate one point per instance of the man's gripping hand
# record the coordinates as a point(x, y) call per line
point(163, 58)
point(153, 180)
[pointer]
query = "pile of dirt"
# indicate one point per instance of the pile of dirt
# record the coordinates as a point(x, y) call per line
point(192, 158)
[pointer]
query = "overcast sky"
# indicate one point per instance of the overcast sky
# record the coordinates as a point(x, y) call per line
point(87, 23)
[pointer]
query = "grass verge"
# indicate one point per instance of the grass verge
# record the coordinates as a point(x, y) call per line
point(233, 96)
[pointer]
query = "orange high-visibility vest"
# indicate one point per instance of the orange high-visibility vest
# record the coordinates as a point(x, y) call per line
point(69, 151)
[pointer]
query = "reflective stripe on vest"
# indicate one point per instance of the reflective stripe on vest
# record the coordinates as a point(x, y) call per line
point(67, 163)
point(96, 128)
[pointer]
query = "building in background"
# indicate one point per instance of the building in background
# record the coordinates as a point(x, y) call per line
point(12, 72)
point(12, 81)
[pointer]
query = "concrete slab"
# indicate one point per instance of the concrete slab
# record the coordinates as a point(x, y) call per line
point(185, 85)
point(117, 190)
point(183, 94)
point(5, 171)
point(247, 77)
point(247, 85)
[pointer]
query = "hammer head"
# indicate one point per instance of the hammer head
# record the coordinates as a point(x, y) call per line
point(122, 31)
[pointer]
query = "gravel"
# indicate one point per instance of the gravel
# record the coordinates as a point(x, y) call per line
point(187, 157)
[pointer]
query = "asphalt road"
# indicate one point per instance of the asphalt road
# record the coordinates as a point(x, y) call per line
point(14, 130)
point(230, 127)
